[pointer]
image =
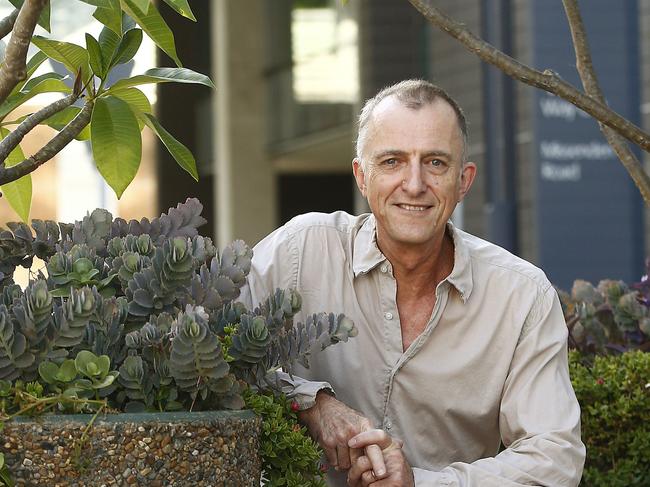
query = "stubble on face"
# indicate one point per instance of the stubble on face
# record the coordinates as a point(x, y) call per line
point(413, 171)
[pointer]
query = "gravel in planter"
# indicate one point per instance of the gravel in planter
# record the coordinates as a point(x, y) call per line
point(212, 448)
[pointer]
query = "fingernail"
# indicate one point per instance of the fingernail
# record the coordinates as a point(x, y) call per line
point(352, 442)
point(380, 472)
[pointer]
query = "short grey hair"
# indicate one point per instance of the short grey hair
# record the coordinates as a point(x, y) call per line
point(414, 94)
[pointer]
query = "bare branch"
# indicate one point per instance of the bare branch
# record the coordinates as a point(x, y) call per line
point(7, 24)
point(49, 150)
point(10, 142)
point(547, 80)
point(592, 88)
point(14, 68)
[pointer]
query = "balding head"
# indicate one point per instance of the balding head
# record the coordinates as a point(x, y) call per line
point(413, 94)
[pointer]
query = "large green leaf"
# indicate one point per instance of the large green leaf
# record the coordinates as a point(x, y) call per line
point(137, 100)
point(95, 56)
point(164, 75)
point(154, 25)
point(34, 62)
point(70, 55)
point(43, 19)
point(31, 83)
point(59, 120)
point(128, 47)
point(47, 85)
point(142, 5)
point(19, 192)
point(108, 42)
point(109, 14)
point(182, 7)
point(32, 65)
point(116, 142)
point(179, 152)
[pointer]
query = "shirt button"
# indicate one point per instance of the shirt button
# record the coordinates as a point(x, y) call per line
point(388, 425)
point(384, 269)
point(388, 316)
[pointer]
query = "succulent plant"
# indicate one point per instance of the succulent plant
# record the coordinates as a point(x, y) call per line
point(144, 314)
point(609, 318)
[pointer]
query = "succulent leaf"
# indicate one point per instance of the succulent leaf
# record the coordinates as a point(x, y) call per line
point(195, 353)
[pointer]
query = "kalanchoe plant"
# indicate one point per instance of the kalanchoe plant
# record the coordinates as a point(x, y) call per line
point(610, 318)
point(142, 315)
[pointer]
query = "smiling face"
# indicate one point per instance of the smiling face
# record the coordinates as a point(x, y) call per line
point(412, 173)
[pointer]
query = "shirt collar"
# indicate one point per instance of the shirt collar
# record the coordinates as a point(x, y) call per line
point(366, 253)
point(367, 256)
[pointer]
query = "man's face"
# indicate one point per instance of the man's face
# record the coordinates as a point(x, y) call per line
point(414, 175)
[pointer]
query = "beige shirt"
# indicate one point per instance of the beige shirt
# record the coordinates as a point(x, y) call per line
point(490, 366)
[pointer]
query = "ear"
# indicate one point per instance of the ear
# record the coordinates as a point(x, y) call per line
point(359, 175)
point(467, 176)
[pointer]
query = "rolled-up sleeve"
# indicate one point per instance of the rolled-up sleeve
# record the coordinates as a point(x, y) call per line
point(539, 416)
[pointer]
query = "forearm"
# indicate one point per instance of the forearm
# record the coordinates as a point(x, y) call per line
point(534, 462)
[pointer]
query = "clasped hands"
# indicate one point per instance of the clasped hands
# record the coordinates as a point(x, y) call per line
point(350, 443)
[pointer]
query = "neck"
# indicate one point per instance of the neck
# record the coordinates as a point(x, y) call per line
point(420, 267)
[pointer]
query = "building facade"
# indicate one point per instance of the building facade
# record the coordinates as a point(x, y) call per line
point(276, 138)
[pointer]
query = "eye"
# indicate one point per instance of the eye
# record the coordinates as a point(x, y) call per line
point(389, 162)
point(436, 162)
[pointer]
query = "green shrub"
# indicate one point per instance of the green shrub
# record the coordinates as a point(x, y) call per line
point(289, 456)
point(614, 394)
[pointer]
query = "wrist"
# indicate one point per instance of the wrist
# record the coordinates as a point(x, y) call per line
point(322, 397)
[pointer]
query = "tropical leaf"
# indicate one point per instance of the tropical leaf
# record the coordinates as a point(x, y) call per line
point(43, 19)
point(65, 116)
point(109, 13)
point(47, 83)
point(138, 102)
point(116, 142)
point(136, 99)
point(19, 192)
point(108, 42)
point(154, 25)
point(179, 152)
point(164, 75)
point(128, 47)
point(182, 7)
point(95, 56)
point(70, 55)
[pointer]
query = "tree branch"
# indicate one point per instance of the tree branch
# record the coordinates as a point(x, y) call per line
point(10, 142)
point(547, 80)
point(14, 68)
point(49, 150)
point(592, 88)
point(7, 24)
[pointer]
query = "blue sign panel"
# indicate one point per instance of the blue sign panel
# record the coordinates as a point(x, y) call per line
point(590, 223)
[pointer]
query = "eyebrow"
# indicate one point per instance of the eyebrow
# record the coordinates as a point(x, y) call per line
point(397, 152)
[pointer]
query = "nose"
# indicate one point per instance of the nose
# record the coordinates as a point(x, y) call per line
point(413, 182)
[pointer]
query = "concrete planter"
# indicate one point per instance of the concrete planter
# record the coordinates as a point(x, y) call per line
point(212, 448)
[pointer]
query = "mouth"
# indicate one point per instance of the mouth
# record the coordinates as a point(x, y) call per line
point(413, 208)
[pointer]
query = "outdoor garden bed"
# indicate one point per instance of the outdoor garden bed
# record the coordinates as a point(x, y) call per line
point(211, 448)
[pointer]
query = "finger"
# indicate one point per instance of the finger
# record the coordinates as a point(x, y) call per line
point(376, 458)
point(355, 454)
point(370, 437)
point(367, 478)
point(343, 455)
point(358, 468)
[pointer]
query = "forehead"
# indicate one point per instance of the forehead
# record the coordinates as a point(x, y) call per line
point(433, 126)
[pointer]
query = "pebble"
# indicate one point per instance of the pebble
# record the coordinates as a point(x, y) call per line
point(202, 453)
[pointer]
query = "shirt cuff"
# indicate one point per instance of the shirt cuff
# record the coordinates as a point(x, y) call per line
point(429, 478)
point(302, 391)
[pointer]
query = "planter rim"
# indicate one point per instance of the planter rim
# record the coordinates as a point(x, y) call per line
point(149, 417)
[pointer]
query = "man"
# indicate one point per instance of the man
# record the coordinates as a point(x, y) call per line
point(461, 345)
